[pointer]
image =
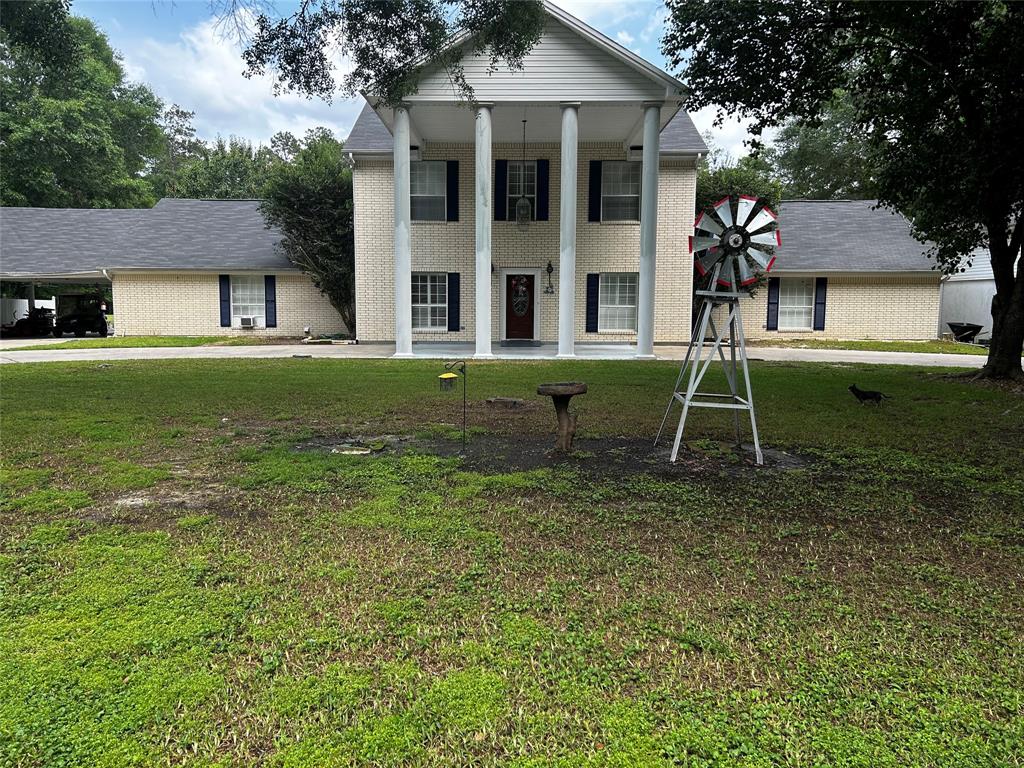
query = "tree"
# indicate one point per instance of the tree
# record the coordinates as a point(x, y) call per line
point(749, 175)
point(228, 170)
point(310, 200)
point(181, 147)
point(937, 90)
point(73, 131)
point(826, 159)
point(39, 31)
point(386, 41)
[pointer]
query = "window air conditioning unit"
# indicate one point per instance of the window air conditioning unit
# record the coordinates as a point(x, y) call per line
point(247, 322)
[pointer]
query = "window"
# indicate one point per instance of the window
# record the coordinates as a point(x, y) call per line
point(429, 301)
point(427, 186)
point(796, 304)
point(620, 191)
point(248, 300)
point(522, 182)
point(617, 302)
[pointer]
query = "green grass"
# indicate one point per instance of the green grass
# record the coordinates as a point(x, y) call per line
point(114, 342)
point(935, 346)
point(179, 586)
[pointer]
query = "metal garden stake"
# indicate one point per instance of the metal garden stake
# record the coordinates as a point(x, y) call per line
point(448, 383)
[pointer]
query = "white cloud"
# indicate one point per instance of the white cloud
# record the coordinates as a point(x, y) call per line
point(655, 26)
point(605, 13)
point(731, 135)
point(202, 71)
point(624, 37)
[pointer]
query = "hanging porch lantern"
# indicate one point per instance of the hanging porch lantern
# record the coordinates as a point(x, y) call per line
point(524, 211)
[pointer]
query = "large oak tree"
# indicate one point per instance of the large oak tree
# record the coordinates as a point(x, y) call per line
point(73, 130)
point(936, 88)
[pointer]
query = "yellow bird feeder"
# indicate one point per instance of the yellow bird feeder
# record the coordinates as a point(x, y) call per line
point(448, 381)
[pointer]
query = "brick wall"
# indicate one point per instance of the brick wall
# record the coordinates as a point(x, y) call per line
point(188, 304)
point(867, 306)
point(449, 246)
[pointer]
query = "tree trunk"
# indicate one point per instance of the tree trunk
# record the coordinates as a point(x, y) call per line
point(1004, 356)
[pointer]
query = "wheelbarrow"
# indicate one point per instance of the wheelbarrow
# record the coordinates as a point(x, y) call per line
point(965, 332)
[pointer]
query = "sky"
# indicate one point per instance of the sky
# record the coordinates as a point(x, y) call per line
point(179, 50)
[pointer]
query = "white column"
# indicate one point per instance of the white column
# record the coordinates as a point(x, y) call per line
point(403, 243)
point(648, 230)
point(482, 216)
point(567, 233)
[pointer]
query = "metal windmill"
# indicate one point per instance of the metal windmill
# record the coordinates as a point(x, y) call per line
point(731, 246)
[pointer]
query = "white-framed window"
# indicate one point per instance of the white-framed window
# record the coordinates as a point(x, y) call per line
point(429, 301)
point(248, 299)
point(796, 304)
point(428, 189)
point(522, 182)
point(617, 302)
point(620, 191)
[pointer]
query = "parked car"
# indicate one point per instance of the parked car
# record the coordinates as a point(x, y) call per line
point(81, 313)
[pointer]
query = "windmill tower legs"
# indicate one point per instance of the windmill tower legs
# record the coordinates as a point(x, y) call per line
point(697, 362)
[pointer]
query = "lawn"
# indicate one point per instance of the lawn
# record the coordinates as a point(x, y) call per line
point(113, 342)
point(189, 575)
point(935, 346)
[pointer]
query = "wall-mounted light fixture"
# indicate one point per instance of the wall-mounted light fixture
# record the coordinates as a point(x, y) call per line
point(550, 288)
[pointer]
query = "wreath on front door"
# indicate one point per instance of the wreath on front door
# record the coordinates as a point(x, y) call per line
point(520, 296)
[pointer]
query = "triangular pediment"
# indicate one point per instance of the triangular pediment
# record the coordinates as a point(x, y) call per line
point(570, 62)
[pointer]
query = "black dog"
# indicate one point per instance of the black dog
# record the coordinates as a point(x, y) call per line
point(867, 395)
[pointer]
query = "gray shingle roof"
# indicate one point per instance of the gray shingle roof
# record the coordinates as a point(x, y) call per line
point(369, 134)
point(846, 236)
point(179, 235)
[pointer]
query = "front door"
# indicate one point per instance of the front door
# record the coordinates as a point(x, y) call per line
point(519, 309)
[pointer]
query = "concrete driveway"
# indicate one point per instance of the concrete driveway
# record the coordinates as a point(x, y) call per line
point(11, 343)
point(268, 351)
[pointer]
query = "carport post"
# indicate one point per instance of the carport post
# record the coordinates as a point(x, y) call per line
point(30, 294)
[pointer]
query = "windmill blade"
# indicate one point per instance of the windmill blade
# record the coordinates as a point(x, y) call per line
point(744, 208)
point(760, 258)
point(703, 243)
point(706, 261)
point(763, 218)
point(773, 239)
point(746, 276)
point(726, 277)
point(724, 210)
point(706, 223)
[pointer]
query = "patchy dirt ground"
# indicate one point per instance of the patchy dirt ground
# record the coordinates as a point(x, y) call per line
point(610, 456)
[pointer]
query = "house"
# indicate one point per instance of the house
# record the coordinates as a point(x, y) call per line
point(555, 210)
point(467, 231)
point(183, 267)
point(846, 270)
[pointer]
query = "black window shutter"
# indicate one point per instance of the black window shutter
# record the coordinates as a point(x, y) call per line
point(820, 289)
point(225, 301)
point(501, 190)
point(773, 304)
point(594, 200)
point(454, 323)
point(270, 300)
point(543, 188)
point(452, 172)
point(593, 293)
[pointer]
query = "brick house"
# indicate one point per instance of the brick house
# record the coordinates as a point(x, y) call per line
point(579, 233)
point(846, 270)
point(467, 233)
point(183, 267)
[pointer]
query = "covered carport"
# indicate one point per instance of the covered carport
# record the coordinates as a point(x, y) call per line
point(66, 250)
